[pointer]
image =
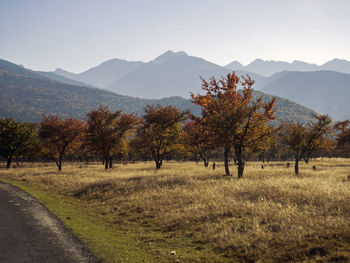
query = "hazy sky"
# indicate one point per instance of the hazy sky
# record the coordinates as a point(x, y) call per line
point(79, 34)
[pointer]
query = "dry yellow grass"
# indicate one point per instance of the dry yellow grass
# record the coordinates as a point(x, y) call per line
point(270, 215)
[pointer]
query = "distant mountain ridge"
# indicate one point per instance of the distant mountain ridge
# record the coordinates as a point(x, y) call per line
point(172, 74)
point(327, 92)
point(104, 74)
point(269, 67)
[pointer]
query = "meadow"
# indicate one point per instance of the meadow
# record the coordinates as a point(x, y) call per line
point(134, 213)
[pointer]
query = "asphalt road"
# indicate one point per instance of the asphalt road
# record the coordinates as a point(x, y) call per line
point(29, 233)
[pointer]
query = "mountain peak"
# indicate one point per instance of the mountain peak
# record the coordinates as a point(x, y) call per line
point(169, 55)
point(172, 53)
point(60, 70)
point(235, 65)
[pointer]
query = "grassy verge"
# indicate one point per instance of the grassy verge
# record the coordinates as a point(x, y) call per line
point(111, 242)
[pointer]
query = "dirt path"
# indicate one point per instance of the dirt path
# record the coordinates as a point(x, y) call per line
point(29, 233)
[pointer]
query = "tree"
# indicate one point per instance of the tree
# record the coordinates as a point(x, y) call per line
point(342, 129)
point(232, 118)
point(106, 130)
point(267, 150)
point(59, 136)
point(159, 130)
point(15, 139)
point(304, 139)
point(196, 137)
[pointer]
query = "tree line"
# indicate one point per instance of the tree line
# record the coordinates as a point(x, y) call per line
point(231, 125)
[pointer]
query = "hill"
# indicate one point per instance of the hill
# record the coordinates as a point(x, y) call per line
point(326, 92)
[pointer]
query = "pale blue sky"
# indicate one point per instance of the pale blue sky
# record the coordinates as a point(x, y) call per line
point(79, 34)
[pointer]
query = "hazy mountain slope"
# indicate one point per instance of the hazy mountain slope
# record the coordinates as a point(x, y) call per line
point(340, 65)
point(171, 74)
point(66, 74)
point(107, 72)
point(56, 77)
point(235, 65)
point(103, 74)
point(269, 67)
point(324, 91)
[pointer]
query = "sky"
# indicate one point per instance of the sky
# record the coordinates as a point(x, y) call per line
point(79, 34)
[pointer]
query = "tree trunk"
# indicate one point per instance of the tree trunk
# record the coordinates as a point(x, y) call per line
point(106, 161)
point(240, 163)
point(296, 166)
point(226, 160)
point(59, 162)
point(205, 160)
point(158, 159)
point(110, 162)
point(9, 160)
point(158, 164)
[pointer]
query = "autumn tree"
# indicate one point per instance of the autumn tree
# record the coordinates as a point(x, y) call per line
point(106, 131)
point(302, 139)
point(159, 130)
point(268, 149)
point(232, 118)
point(196, 137)
point(342, 130)
point(60, 136)
point(15, 139)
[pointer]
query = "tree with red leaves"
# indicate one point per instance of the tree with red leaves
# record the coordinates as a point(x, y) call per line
point(233, 120)
point(342, 129)
point(196, 138)
point(59, 136)
point(106, 130)
point(159, 131)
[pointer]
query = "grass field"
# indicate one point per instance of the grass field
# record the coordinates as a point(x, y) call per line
point(133, 213)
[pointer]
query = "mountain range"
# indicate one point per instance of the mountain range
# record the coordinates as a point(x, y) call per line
point(324, 88)
point(27, 94)
point(267, 68)
point(170, 74)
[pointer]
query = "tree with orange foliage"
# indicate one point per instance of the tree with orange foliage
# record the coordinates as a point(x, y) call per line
point(304, 139)
point(59, 136)
point(196, 137)
point(343, 137)
point(106, 130)
point(232, 118)
point(160, 129)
